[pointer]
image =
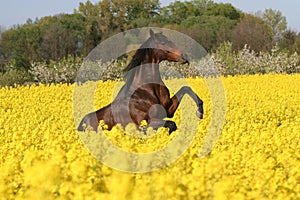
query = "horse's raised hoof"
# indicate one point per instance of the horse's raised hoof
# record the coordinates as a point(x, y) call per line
point(171, 125)
point(199, 114)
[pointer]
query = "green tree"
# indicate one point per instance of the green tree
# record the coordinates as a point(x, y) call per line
point(296, 45)
point(226, 10)
point(6, 45)
point(57, 43)
point(20, 45)
point(118, 15)
point(288, 40)
point(88, 9)
point(75, 25)
point(32, 41)
point(207, 22)
point(178, 11)
point(68, 34)
point(209, 31)
point(275, 20)
point(253, 32)
point(109, 14)
point(141, 9)
point(92, 36)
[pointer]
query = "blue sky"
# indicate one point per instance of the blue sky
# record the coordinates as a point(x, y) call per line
point(18, 11)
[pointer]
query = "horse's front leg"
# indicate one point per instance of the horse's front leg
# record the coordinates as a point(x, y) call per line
point(176, 99)
point(157, 123)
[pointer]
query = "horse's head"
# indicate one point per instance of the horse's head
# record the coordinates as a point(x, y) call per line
point(164, 49)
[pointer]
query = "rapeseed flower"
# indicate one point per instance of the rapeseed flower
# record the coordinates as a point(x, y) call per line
point(256, 157)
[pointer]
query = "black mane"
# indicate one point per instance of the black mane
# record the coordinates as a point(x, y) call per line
point(139, 56)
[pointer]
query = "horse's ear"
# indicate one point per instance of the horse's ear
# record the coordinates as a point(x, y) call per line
point(152, 33)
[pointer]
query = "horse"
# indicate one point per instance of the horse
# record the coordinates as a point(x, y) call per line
point(144, 96)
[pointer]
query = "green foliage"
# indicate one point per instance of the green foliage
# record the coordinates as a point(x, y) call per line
point(50, 38)
point(275, 20)
point(20, 45)
point(225, 59)
point(290, 41)
point(207, 22)
point(209, 31)
point(13, 76)
point(114, 16)
point(225, 10)
point(253, 32)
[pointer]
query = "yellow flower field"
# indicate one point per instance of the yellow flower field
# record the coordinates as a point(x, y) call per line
point(257, 156)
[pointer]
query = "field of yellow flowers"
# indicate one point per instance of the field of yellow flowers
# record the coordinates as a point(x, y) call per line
point(257, 156)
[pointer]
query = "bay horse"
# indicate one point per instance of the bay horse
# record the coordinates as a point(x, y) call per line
point(144, 95)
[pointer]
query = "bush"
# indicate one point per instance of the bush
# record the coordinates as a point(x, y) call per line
point(204, 67)
point(65, 70)
point(224, 62)
point(248, 61)
point(13, 76)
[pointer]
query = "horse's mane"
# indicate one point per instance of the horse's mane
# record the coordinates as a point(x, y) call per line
point(139, 56)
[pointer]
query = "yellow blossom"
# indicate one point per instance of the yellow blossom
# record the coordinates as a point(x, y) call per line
point(42, 156)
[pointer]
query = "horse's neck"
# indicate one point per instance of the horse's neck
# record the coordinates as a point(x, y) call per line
point(146, 73)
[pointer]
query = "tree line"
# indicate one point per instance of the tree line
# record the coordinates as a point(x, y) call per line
point(53, 38)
